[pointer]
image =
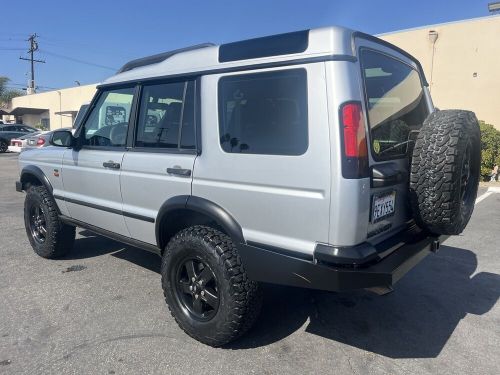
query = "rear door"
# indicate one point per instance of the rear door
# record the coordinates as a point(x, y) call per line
point(159, 162)
point(396, 105)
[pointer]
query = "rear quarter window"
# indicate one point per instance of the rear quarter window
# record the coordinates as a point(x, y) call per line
point(264, 113)
point(395, 103)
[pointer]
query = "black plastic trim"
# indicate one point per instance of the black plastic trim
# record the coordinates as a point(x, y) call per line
point(114, 236)
point(386, 174)
point(282, 251)
point(273, 45)
point(19, 186)
point(38, 173)
point(347, 255)
point(202, 206)
point(238, 68)
point(264, 265)
point(106, 209)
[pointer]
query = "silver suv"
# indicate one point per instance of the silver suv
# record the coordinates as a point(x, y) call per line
point(312, 159)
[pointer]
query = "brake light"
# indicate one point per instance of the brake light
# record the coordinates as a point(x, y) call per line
point(40, 141)
point(355, 149)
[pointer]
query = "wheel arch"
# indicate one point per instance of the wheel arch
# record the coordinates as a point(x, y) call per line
point(32, 174)
point(182, 211)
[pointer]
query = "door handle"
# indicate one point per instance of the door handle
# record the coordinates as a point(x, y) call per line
point(179, 171)
point(111, 164)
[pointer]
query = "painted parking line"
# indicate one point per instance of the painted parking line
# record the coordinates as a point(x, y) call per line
point(491, 190)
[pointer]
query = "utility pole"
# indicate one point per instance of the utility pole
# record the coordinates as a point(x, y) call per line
point(32, 60)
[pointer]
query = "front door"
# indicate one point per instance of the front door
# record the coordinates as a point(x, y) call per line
point(91, 175)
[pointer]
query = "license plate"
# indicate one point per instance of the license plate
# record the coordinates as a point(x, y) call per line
point(32, 142)
point(383, 206)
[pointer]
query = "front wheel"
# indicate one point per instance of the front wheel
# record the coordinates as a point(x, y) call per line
point(206, 287)
point(48, 236)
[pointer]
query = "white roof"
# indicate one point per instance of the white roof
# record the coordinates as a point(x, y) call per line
point(322, 41)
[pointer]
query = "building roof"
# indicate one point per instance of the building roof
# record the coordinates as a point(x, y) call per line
point(19, 111)
point(476, 19)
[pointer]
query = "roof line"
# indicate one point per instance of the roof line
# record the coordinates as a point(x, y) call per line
point(439, 24)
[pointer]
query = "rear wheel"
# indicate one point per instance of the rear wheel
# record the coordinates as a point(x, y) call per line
point(48, 236)
point(445, 171)
point(206, 287)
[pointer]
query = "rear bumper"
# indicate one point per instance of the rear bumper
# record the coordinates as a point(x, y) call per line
point(392, 263)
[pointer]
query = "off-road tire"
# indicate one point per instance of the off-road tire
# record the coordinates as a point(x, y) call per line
point(240, 299)
point(4, 146)
point(449, 141)
point(60, 237)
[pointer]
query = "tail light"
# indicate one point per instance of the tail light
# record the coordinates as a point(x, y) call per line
point(354, 145)
point(40, 141)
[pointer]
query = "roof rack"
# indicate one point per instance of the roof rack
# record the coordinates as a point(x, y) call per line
point(148, 60)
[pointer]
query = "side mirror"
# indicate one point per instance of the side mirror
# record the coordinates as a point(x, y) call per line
point(62, 138)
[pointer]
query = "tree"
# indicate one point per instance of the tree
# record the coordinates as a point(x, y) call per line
point(490, 147)
point(6, 94)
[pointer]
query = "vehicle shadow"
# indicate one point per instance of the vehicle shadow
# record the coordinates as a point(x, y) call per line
point(415, 321)
point(89, 245)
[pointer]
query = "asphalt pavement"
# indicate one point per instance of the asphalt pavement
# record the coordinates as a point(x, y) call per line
point(100, 310)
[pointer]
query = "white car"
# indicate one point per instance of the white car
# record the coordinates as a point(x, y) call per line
point(20, 143)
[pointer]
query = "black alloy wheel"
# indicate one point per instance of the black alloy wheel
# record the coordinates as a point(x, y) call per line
point(38, 224)
point(196, 289)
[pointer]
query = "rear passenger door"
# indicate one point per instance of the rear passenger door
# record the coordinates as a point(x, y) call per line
point(161, 154)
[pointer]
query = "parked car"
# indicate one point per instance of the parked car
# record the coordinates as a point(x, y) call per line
point(42, 140)
point(19, 144)
point(313, 159)
point(9, 131)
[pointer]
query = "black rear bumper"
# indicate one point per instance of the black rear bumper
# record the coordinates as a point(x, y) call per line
point(395, 257)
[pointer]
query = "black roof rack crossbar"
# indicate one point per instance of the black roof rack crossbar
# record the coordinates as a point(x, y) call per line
point(148, 60)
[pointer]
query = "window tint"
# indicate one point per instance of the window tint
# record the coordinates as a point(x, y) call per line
point(395, 101)
point(107, 124)
point(166, 116)
point(264, 113)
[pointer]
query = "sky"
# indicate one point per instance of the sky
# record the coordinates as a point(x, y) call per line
point(87, 41)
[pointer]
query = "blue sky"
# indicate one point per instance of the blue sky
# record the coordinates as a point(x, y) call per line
point(109, 33)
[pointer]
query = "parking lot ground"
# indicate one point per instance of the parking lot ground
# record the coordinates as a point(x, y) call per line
point(100, 310)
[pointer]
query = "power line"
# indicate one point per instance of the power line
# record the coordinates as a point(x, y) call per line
point(11, 49)
point(77, 60)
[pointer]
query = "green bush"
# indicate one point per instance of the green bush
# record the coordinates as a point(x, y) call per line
point(490, 147)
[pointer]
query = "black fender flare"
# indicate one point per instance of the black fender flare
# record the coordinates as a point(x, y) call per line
point(202, 206)
point(33, 170)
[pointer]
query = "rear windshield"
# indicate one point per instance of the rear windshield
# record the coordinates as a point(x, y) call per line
point(395, 101)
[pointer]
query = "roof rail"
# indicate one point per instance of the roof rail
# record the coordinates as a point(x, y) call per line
point(148, 60)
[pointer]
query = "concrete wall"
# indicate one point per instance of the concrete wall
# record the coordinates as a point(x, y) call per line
point(55, 101)
point(464, 72)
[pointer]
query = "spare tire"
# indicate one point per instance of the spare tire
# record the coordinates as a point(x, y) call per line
point(445, 171)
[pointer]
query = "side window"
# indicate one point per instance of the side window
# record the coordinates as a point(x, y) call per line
point(395, 102)
point(264, 113)
point(107, 124)
point(166, 116)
